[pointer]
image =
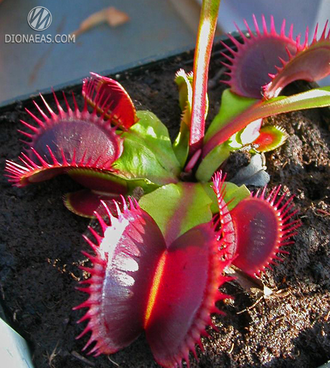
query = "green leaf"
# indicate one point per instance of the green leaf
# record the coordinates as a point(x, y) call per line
point(148, 152)
point(234, 193)
point(181, 143)
point(212, 162)
point(176, 208)
point(317, 97)
point(184, 81)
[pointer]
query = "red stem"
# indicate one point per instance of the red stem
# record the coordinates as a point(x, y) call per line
point(206, 30)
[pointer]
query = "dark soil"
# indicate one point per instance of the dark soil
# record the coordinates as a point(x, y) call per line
point(41, 243)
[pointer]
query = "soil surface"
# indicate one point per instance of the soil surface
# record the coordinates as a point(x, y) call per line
point(41, 243)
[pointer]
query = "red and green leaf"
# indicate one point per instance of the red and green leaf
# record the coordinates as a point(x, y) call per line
point(181, 143)
point(223, 129)
point(232, 106)
point(70, 139)
point(270, 138)
point(262, 226)
point(85, 202)
point(205, 36)
point(110, 98)
point(267, 61)
point(258, 56)
point(138, 283)
point(311, 64)
point(176, 208)
point(186, 296)
point(257, 228)
point(126, 255)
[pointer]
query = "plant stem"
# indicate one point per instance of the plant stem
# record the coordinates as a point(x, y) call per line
point(206, 30)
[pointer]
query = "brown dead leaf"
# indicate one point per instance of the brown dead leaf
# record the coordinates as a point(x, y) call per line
point(111, 15)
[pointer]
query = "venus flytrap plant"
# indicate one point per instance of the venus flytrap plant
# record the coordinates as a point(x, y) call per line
point(158, 262)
